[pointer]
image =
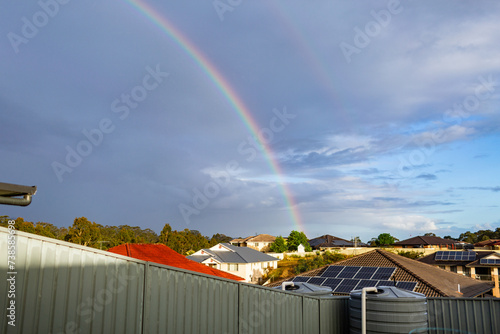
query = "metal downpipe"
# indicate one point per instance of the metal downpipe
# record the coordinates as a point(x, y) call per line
point(25, 201)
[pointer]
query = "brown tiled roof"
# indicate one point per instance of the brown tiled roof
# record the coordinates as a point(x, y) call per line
point(425, 240)
point(262, 238)
point(431, 281)
point(487, 242)
point(256, 238)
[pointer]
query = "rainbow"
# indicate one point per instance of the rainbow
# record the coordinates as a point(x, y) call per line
point(228, 93)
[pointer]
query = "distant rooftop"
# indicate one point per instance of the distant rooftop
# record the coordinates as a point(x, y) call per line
point(227, 253)
point(425, 240)
point(254, 238)
point(326, 241)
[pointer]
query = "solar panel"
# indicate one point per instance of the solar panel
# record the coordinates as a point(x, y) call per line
point(346, 286)
point(489, 261)
point(332, 282)
point(364, 283)
point(316, 280)
point(406, 285)
point(383, 273)
point(332, 271)
point(455, 256)
point(300, 279)
point(472, 256)
point(348, 272)
point(344, 279)
point(386, 283)
point(366, 272)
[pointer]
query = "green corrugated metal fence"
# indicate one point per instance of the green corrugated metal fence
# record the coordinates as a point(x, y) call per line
point(464, 315)
point(65, 288)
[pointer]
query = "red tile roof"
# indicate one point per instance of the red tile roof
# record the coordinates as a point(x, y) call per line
point(159, 253)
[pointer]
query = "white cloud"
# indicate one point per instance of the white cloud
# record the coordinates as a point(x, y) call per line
point(410, 223)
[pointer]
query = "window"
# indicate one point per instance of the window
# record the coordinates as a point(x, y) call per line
point(263, 265)
point(232, 266)
point(256, 244)
point(453, 269)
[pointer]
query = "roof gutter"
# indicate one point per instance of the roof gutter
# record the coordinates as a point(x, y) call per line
point(14, 194)
point(25, 201)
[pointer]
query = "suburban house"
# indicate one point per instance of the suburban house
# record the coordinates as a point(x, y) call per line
point(384, 268)
point(241, 261)
point(259, 242)
point(160, 253)
point(329, 241)
point(426, 242)
point(491, 244)
point(481, 265)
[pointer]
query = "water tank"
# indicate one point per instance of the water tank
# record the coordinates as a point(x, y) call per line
point(389, 310)
point(306, 289)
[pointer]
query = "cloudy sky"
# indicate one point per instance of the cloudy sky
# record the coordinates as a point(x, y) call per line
point(243, 117)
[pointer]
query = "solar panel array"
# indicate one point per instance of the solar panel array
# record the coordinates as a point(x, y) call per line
point(344, 279)
point(490, 261)
point(455, 256)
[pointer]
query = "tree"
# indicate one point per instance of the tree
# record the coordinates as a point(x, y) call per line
point(430, 234)
point(295, 239)
point(24, 226)
point(164, 234)
point(84, 232)
point(384, 239)
point(219, 238)
point(279, 245)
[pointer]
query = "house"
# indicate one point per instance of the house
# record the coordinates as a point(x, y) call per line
point(260, 242)
point(160, 253)
point(329, 241)
point(481, 265)
point(426, 242)
point(381, 268)
point(241, 261)
point(490, 244)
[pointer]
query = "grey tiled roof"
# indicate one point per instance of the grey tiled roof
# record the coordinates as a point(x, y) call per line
point(236, 255)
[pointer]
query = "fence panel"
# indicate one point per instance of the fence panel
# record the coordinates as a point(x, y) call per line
point(464, 315)
point(66, 288)
point(334, 316)
point(182, 302)
point(264, 310)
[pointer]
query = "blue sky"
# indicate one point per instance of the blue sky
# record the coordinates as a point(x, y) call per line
point(393, 122)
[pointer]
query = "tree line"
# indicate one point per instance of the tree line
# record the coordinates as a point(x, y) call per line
point(86, 233)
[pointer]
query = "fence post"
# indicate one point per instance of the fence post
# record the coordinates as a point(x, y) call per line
point(146, 298)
